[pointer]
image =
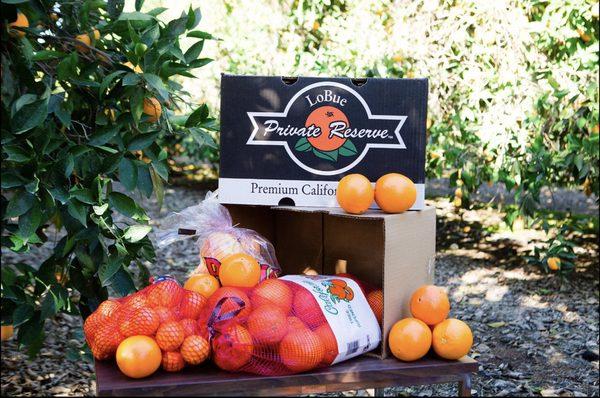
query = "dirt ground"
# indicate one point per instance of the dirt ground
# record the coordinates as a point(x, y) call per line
point(535, 334)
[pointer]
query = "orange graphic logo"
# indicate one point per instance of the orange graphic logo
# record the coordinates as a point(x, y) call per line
point(340, 290)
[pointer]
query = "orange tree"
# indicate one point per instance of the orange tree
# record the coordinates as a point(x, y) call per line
point(86, 92)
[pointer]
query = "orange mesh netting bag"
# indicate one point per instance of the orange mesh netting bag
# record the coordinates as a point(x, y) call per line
point(164, 311)
point(210, 223)
point(289, 325)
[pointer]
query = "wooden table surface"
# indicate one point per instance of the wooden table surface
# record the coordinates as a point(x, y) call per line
point(359, 373)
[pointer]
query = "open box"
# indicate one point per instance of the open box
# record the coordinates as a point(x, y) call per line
point(400, 247)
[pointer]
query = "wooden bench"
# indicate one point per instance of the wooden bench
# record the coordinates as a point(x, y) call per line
point(358, 373)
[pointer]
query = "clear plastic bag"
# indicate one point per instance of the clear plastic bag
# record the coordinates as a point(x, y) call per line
point(210, 223)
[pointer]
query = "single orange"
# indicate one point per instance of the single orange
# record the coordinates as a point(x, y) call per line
point(172, 361)
point(139, 321)
point(273, 291)
point(232, 348)
point(322, 118)
point(219, 245)
point(138, 356)
point(267, 324)
point(85, 39)
point(452, 339)
point(7, 332)
point(233, 295)
point(153, 109)
point(195, 349)
point(239, 270)
point(106, 340)
point(294, 323)
point(191, 304)
point(409, 339)
point(375, 300)
point(355, 193)
point(554, 263)
point(307, 309)
point(20, 22)
point(329, 343)
point(189, 326)
point(136, 68)
point(167, 293)
point(107, 308)
point(395, 193)
point(430, 304)
point(165, 314)
point(301, 350)
point(205, 284)
point(137, 300)
point(170, 335)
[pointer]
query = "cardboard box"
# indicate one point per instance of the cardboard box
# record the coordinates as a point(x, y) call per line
point(289, 141)
point(392, 251)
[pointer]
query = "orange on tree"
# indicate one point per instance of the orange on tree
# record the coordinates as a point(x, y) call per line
point(138, 356)
point(172, 361)
point(194, 349)
point(136, 68)
point(273, 291)
point(7, 332)
point(375, 300)
point(232, 348)
point(301, 350)
point(152, 108)
point(239, 270)
point(452, 339)
point(409, 339)
point(20, 22)
point(430, 304)
point(170, 335)
point(395, 193)
point(554, 263)
point(355, 193)
point(205, 284)
point(267, 324)
point(230, 304)
point(329, 343)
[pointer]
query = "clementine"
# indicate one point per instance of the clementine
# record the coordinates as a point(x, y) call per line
point(554, 263)
point(329, 343)
point(267, 324)
point(153, 109)
point(232, 348)
point(20, 22)
point(106, 340)
point(172, 361)
point(409, 339)
point(395, 193)
point(189, 326)
point(430, 304)
point(139, 321)
point(452, 339)
point(107, 308)
point(7, 332)
point(239, 270)
point(355, 193)
point(205, 284)
point(273, 291)
point(138, 356)
point(301, 350)
point(307, 309)
point(191, 304)
point(195, 349)
point(166, 293)
point(164, 314)
point(170, 335)
point(375, 300)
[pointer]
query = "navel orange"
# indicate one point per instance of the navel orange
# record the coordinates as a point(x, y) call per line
point(409, 339)
point(395, 193)
point(355, 193)
point(273, 291)
point(172, 361)
point(301, 350)
point(195, 349)
point(138, 356)
point(232, 348)
point(239, 270)
point(329, 343)
point(452, 339)
point(205, 284)
point(430, 304)
point(170, 335)
point(267, 324)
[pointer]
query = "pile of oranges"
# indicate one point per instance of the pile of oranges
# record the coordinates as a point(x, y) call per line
point(393, 193)
point(412, 338)
point(155, 326)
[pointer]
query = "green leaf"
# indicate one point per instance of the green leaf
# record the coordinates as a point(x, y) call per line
point(100, 210)
point(135, 16)
point(11, 180)
point(198, 116)
point(157, 11)
point(156, 83)
point(67, 68)
point(46, 55)
point(348, 149)
point(22, 314)
point(115, 8)
point(108, 269)
point(16, 154)
point(144, 182)
point(126, 206)
point(30, 221)
point(122, 282)
point(197, 63)
point(135, 233)
point(48, 307)
point(193, 19)
point(303, 145)
point(201, 35)
point(84, 195)
point(332, 156)
point(33, 186)
point(142, 141)
point(108, 80)
point(29, 116)
point(139, 4)
point(19, 204)
point(103, 136)
point(176, 27)
point(158, 187)
point(78, 211)
point(131, 79)
point(194, 51)
point(128, 173)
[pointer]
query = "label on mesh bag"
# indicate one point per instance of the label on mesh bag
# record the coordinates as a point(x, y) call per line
point(346, 310)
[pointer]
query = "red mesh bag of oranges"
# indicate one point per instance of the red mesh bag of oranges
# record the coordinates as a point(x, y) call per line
point(292, 324)
point(156, 326)
point(210, 223)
